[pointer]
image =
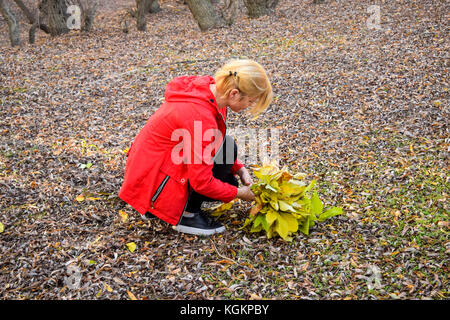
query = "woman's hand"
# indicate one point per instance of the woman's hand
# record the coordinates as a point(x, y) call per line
point(245, 176)
point(245, 193)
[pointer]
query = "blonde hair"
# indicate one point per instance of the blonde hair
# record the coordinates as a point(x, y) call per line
point(250, 78)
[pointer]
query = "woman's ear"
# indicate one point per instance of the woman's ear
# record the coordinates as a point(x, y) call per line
point(234, 93)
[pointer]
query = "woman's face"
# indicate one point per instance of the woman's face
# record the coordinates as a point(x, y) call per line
point(238, 102)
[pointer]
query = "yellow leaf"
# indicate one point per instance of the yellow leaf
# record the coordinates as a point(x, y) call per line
point(271, 216)
point(108, 288)
point(123, 215)
point(292, 188)
point(274, 204)
point(132, 296)
point(291, 221)
point(93, 199)
point(80, 198)
point(2, 227)
point(222, 208)
point(225, 261)
point(254, 296)
point(282, 227)
point(131, 246)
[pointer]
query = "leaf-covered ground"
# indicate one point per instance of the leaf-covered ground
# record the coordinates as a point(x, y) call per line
point(363, 111)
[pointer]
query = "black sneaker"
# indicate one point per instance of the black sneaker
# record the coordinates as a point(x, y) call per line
point(148, 216)
point(200, 224)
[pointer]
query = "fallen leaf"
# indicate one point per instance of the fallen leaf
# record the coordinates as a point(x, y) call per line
point(108, 288)
point(118, 281)
point(123, 215)
point(254, 296)
point(131, 246)
point(131, 295)
point(225, 261)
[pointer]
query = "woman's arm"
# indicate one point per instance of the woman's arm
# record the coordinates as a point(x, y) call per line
point(245, 193)
point(245, 176)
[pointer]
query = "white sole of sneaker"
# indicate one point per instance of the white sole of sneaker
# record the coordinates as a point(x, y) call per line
point(197, 231)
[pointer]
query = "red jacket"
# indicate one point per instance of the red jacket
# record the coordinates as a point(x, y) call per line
point(153, 181)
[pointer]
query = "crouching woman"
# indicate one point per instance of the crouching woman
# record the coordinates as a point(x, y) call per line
point(183, 157)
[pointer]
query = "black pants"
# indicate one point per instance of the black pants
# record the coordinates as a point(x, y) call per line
point(223, 162)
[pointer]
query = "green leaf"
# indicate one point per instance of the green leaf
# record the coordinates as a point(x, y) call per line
point(310, 186)
point(334, 211)
point(258, 220)
point(264, 223)
point(257, 228)
point(246, 223)
point(306, 225)
point(316, 204)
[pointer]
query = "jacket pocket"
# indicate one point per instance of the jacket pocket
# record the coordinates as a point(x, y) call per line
point(159, 190)
point(169, 198)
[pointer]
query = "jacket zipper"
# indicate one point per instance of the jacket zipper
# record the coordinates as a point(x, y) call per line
point(189, 195)
point(159, 190)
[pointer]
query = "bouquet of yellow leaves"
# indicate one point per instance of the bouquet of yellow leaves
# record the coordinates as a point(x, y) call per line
point(285, 203)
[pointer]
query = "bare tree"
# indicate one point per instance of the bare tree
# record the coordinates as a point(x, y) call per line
point(88, 11)
point(205, 15)
point(259, 8)
point(31, 16)
point(14, 31)
point(154, 6)
point(56, 11)
point(142, 7)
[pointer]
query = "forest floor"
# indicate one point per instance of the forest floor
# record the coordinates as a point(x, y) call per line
point(364, 111)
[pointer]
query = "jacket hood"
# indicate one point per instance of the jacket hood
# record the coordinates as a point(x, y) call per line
point(191, 89)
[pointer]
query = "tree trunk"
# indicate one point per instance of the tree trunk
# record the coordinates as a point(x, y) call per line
point(57, 17)
point(32, 19)
point(259, 8)
point(204, 14)
point(154, 6)
point(142, 7)
point(14, 32)
point(88, 12)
